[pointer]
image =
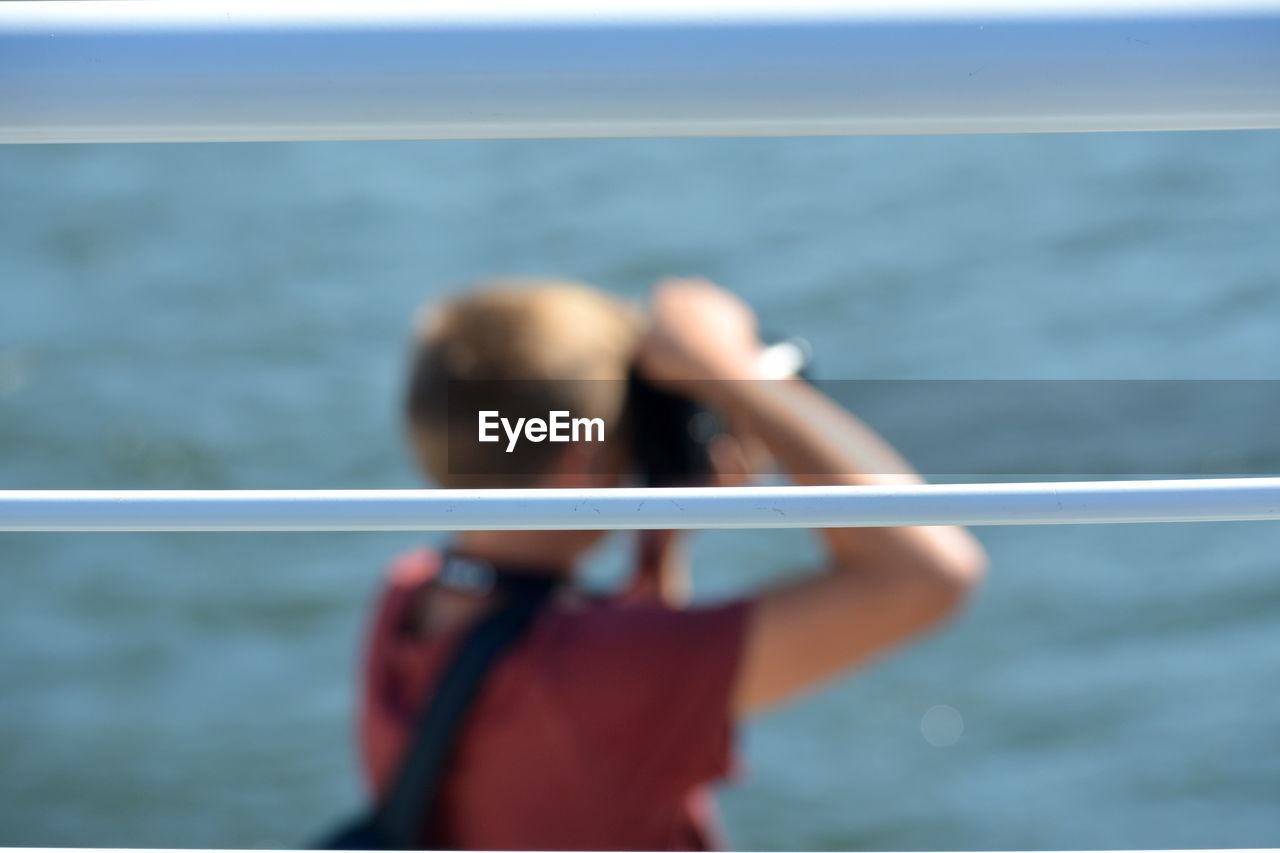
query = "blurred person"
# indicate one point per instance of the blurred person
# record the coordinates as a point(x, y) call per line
point(606, 722)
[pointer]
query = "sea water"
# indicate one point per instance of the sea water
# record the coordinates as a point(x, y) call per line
point(237, 316)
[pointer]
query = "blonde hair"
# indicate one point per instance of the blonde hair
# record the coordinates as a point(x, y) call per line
point(516, 345)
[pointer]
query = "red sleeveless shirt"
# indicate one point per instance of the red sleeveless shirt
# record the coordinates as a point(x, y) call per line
point(601, 729)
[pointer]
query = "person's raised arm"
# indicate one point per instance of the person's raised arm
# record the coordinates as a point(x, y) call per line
point(880, 586)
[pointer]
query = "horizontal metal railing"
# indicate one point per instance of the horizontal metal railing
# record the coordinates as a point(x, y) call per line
point(1245, 499)
point(198, 70)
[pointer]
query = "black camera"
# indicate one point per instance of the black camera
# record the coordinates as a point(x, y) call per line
point(672, 433)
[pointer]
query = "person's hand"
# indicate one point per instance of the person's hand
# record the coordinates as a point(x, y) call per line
point(698, 334)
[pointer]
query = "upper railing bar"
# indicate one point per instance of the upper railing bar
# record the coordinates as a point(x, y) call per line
point(163, 71)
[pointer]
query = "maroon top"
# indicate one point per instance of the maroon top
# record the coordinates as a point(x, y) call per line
point(599, 730)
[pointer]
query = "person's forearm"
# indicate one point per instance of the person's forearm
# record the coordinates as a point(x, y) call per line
point(820, 443)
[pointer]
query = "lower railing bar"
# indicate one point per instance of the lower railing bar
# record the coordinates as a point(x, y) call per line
point(1244, 499)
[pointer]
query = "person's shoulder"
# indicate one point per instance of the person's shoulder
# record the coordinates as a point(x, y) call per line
point(402, 583)
point(412, 569)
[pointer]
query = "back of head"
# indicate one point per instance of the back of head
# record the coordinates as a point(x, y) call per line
point(522, 348)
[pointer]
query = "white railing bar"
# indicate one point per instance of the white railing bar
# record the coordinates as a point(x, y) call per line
point(198, 70)
point(1248, 499)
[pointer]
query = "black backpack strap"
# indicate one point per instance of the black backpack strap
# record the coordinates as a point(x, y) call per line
point(401, 818)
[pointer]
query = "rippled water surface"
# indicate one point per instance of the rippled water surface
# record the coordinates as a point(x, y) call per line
point(235, 316)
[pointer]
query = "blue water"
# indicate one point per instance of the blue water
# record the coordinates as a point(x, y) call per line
point(235, 316)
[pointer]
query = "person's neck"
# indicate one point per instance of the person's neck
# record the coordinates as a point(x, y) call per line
point(535, 551)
